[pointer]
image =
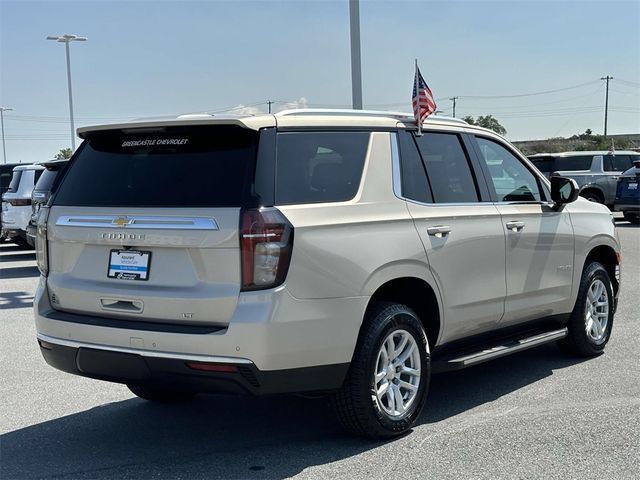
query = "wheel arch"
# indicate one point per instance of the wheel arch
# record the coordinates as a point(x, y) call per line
point(605, 255)
point(417, 294)
point(593, 188)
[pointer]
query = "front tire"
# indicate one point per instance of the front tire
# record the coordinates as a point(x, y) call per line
point(386, 387)
point(160, 394)
point(591, 321)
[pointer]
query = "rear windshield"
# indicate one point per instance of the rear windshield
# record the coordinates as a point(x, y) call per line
point(46, 180)
point(163, 167)
point(15, 181)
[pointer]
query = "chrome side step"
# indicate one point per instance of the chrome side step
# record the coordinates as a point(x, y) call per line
point(475, 358)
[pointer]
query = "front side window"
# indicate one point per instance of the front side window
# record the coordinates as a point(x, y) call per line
point(447, 168)
point(319, 167)
point(511, 180)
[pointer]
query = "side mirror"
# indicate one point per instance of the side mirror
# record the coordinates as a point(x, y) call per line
point(563, 190)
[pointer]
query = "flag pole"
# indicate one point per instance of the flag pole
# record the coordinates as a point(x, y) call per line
point(417, 86)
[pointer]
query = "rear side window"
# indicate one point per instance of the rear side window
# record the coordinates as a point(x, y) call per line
point(415, 185)
point(617, 163)
point(317, 167)
point(579, 162)
point(163, 167)
point(448, 168)
point(15, 181)
point(545, 165)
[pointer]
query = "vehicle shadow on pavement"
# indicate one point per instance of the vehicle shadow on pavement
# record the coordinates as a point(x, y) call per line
point(235, 437)
point(18, 257)
point(455, 392)
point(10, 300)
point(20, 272)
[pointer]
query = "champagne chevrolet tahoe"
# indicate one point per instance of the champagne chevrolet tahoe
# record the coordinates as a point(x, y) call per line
point(334, 252)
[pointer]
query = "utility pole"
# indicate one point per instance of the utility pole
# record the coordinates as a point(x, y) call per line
point(356, 68)
point(66, 39)
point(606, 103)
point(2, 110)
point(269, 102)
point(453, 99)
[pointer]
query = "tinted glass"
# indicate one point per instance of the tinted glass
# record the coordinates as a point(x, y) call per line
point(545, 165)
point(414, 177)
point(617, 163)
point(511, 180)
point(37, 174)
point(15, 181)
point(447, 167)
point(578, 162)
point(194, 167)
point(46, 179)
point(315, 167)
point(5, 180)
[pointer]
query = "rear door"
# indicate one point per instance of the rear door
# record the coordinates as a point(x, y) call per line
point(144, 224)
point(463, 236)
point(539, 239)
point(614, 167)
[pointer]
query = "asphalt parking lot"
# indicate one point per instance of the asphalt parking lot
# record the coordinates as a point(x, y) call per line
point(537, 414)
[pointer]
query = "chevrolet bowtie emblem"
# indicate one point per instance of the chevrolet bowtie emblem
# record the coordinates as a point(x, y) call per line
point(121, 222)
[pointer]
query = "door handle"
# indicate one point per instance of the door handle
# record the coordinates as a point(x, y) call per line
point(439, 231)
point(515, 226)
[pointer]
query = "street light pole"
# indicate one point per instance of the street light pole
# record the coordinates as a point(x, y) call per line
point(2, 110)
point(66, 39)
point(356, 68)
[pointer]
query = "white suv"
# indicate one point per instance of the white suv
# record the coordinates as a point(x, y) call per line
point(314, 251)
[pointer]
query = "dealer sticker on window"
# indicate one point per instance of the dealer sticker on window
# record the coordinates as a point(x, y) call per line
point(129, 264)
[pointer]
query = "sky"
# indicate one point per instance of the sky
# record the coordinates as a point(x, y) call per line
point(147, 58)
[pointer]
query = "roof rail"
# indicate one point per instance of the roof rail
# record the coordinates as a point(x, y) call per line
point(362, 113)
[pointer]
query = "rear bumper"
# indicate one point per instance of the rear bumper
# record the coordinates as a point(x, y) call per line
point(31, 235)
point(627, 207)
point(137, 367)
point(309, 343)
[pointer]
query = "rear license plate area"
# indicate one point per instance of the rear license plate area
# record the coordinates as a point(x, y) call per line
point(129, 264)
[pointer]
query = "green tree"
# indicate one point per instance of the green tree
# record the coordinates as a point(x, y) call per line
point(63, 153)
point(487, 121)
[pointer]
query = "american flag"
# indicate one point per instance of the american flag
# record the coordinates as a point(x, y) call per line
point(422, 98)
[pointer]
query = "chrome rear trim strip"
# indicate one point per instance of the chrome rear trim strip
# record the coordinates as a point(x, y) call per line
point(144, 353)
point(139, 222)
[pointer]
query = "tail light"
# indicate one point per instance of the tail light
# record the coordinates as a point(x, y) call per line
point(19, 202)
point(42, 254)
point(266, 238)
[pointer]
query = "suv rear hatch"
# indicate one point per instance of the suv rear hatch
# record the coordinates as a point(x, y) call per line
point(144, 224)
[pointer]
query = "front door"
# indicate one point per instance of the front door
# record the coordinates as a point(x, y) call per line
point(539, 239)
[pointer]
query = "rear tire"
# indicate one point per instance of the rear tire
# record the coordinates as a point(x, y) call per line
point(386, 387)
point(159, 394)
point(592, 197)
point(592, 317)
point(632, 217)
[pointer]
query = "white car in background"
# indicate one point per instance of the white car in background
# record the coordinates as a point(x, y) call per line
point(16, 203)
